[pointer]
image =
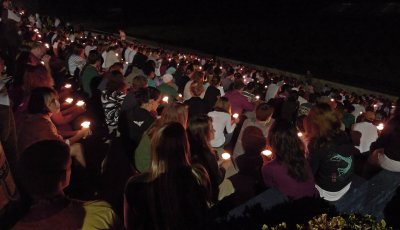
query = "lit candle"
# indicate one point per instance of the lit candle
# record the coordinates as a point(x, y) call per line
point(257, 97)
point(361, 113)
point(69, 100)
point(85, 124)
point(267, 153)
point(380, 127)
point(220, 67)
point(80, 103)
point(95, 37)
point(180, 95)
point(332, 100)
point(39, 36)
point(68, 86)
point(42, 62)
point(200, 68)
point(299, 134)
point(226, 156)
point(236, 116)
point(127, 63)
point(165, 99)
point(116, 54)
point(266, 86)
point(47, 45)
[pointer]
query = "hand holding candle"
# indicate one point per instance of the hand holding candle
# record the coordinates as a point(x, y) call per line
point(380, 127)
point(165, 99)
point(85, 124)
point(69, 100)
point(226, 156)
point(235, 116)
point(80, 103)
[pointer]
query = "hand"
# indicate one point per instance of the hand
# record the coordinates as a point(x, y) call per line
point(85, 132)
point(46, 59)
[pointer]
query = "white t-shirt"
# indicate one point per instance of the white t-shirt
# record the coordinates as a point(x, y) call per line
point(272, 91)
point(221, 121)
point(357, 110)
point(369, 134)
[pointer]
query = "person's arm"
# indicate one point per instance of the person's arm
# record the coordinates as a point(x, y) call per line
point(81, 134)
point(230, 124)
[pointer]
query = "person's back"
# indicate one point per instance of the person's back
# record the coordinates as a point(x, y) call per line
point(44, 171)
point(369, 134)
point(69, 214)
point(145, 201)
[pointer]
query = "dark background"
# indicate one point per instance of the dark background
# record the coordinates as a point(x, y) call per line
point(352, 42)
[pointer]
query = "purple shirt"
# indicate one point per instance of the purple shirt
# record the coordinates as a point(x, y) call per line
point(276, 176)
point(238, 102)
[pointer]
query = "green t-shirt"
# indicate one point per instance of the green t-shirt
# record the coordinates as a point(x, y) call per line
point(142, 154)
point(87, 76)
point(168, 90)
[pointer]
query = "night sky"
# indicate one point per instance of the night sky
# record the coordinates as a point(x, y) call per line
point(353, 42)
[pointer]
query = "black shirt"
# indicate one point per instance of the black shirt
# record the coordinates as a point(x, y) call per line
point(332, 164)
point(197, 106)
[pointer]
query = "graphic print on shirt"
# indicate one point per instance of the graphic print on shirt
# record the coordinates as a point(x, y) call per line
point(138, 123)
point(342, 161)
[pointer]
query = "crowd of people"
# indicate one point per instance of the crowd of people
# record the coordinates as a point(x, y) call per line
point(188, 126)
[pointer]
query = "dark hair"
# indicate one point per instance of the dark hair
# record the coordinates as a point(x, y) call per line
point(253, 140)
point(93, 57)
point(42, 166)
point(144, 95)
point(148, 68)
point(198, 133)
point(215, 80)
point(238, 84)
point(288, 149)
point(264, 111)
point(115, 82)
point(37, 100)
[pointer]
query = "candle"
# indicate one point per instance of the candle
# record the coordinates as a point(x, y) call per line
point(116, 54)
point(127, 63)
point(266, 86)
point(226, 156)
point(69, 100)
point(68, 86)
point(267, 153)
point(380, 127)
point(85, 124)
point(299, 134)
point(257, 97)
point(47, 45)
point(80, 103)
point(42, 62)
point(236, 116)
point(180, 95)
point(332, 100)
point(165, 99)
point(39, 36)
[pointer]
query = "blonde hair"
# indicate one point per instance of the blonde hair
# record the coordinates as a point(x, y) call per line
point(196, 88)
point(174, 112)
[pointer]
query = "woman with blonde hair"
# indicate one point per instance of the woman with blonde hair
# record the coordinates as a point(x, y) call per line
point(174, 112)
point(330, 152)
point(173, 193)
point(221, 120)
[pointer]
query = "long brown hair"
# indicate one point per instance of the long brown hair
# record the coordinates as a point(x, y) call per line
point(288, 149)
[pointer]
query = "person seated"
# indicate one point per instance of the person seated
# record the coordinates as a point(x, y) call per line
point(200, 133)
point(173, 194)
point(222, 121)
point(45, 170)
point(175, 112)
point(262, 121)
point(330, 152)
point(238, 101)
point(197, 106)
point(288, 171)
point(37, 125)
